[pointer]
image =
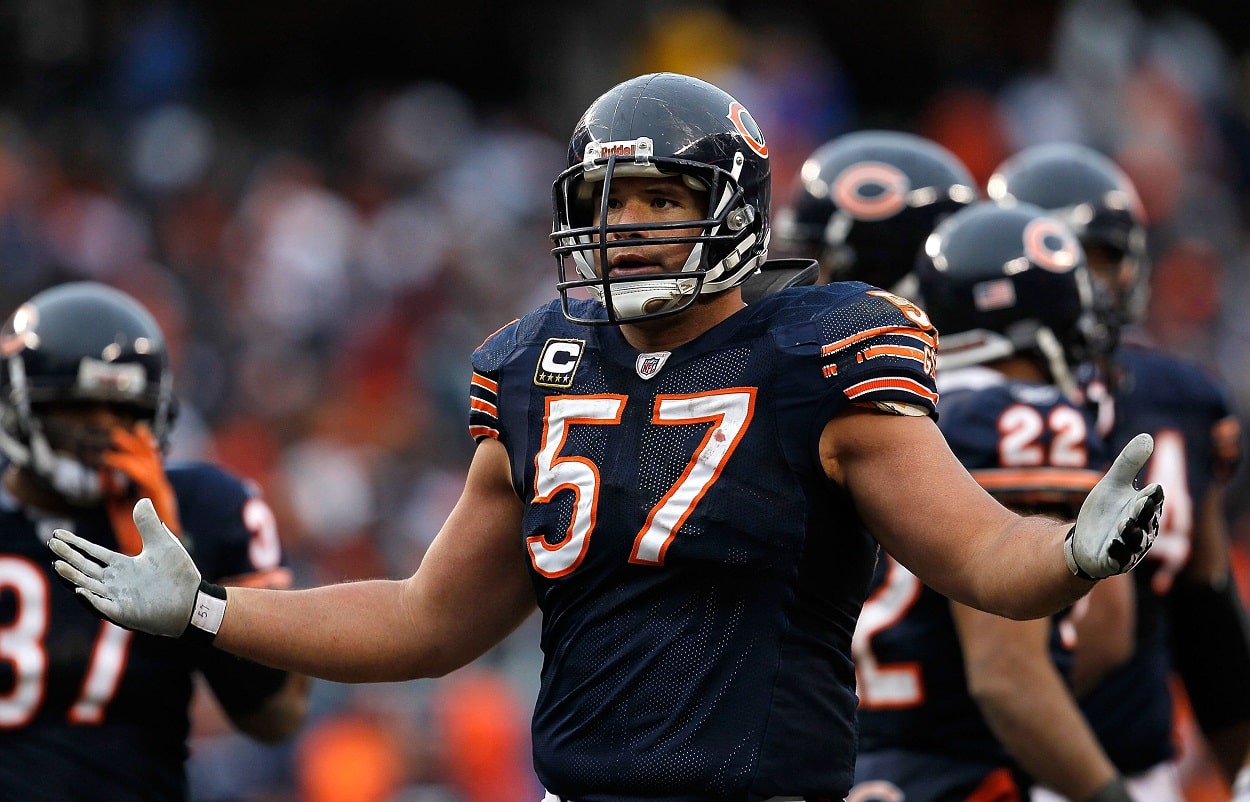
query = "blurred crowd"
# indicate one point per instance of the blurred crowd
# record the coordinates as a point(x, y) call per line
point(324, 270)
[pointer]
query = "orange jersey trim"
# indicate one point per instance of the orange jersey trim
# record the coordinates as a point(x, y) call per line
point(1034, 479)
point(891, 383)
point(901, 331)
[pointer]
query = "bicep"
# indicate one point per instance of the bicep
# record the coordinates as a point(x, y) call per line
point(913, 494)
point(473, 587)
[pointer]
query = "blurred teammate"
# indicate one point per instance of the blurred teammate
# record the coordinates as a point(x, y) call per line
point(957, 704)
point(1189, 615)
point(865, 202)
point(89, 710)
point(864, 206)
point(683, 484)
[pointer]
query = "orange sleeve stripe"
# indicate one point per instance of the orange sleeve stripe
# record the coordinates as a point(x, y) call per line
point(902, 351)
point(478, 432)
point(891, 383)
point(901, 331)
point(485, 383)
point(483, 406)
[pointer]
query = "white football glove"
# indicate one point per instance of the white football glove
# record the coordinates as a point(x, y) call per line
point(159, 591)
point(1117, 523)
point(1241, 786)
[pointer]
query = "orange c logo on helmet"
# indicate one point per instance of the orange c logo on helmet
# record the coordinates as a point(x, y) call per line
point(888, 197)
point(1051, 245)
point(745, 123)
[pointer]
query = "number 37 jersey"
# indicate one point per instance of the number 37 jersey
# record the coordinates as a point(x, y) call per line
point(89, 710)
point(699, 576)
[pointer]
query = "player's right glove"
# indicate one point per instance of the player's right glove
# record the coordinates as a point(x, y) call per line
point(1117, 523)
point(159, 591)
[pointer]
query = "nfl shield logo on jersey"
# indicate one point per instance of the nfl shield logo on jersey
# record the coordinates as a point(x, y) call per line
point(648, 365)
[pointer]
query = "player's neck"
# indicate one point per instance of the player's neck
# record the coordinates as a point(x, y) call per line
point(668, 333)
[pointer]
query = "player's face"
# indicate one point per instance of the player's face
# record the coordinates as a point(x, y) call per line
point(1110, 268)
point(84, 431)
point(633, 200)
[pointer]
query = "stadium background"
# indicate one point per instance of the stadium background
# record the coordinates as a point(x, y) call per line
point(329, 203)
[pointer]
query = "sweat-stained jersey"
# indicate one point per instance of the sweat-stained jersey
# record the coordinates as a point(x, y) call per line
point(89, 710)
point(1180, 405)
point(1035, 451)
point(699, 576)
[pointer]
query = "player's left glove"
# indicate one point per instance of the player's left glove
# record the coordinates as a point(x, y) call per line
point(1117, 523)
point(159, 591)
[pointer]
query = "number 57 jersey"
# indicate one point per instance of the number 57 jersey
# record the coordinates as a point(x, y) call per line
point(698, 574)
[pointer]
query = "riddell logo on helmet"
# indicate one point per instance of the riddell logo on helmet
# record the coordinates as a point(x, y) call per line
point(640, 150)
point(618, 149)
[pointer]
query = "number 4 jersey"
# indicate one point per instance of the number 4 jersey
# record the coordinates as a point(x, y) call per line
point(698, 574)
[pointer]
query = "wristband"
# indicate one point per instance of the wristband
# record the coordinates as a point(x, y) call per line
point(1076, 570)
point(206, 615)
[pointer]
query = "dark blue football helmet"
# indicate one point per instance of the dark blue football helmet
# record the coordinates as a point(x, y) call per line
point(663, 124)
point(999, 281)
point(866, 201)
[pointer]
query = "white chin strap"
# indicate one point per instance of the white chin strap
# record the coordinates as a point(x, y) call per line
point(634, 298)
point(67, 476)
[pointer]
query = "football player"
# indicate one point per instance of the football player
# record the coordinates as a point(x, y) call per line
point(957, 704)
point(865, 202)
point(1188, 577)
point(684, 486)
point(89, 710)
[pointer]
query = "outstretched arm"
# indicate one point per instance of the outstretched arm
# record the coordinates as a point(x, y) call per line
point(471, 590)
point(927, 511)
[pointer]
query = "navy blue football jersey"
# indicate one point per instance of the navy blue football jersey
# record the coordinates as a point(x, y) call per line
point(698, 574)
point(1180, 405)
point(89, 710)
point(1035, 451)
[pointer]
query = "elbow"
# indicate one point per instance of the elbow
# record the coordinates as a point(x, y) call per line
point(994, 689)
point(281, 716)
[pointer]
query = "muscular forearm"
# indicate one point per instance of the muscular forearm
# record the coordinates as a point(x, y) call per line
point(1027, 704)
point(351, 632)
point(1044, 730)
point(1033, 580)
